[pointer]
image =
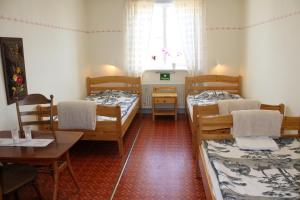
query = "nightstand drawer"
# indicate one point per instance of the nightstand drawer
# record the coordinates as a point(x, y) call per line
point(165, 100)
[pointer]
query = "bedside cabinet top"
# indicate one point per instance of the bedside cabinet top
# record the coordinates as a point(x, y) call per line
point(164, 91)
point(164, 94)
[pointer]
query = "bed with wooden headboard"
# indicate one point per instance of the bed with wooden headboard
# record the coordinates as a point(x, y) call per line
point(197, 84)
point(110, 130)
point(217, 128)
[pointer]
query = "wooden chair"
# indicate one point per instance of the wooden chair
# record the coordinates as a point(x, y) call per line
point(13, 177)
point(37, 100)
point(34, 100)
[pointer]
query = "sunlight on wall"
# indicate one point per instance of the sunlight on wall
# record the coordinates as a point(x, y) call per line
point(220, 69)
point(223, 69)
point(109, 70)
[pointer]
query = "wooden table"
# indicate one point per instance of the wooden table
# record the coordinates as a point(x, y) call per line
point(164, 98)
point(56, 154)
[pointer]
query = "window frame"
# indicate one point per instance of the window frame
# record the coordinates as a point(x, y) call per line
point(164, 65)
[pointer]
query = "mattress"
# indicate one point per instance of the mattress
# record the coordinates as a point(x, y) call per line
point(213, 178)
point(191, 103)
point(125, 100)
point(124, 117)
point(208, 98)
point(243, 174)
point(114, 97)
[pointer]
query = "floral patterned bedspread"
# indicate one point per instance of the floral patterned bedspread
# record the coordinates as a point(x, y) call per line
point(114, 97)
point(210, 97)
point(259, 175)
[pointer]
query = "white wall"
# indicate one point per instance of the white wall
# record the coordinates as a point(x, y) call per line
point(58, 60)
point(55, 59)
point(106, 47)
point(271, 67)
point(266, 55)
point(224, 37)
point(105, 42)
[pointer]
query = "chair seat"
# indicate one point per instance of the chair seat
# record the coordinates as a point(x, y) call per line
point(16, 176)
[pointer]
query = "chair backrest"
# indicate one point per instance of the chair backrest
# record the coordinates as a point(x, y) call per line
point(34, 100)
point(167, 89)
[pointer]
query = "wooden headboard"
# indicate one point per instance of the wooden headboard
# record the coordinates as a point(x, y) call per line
point(125, 83)
point(213, 127)
point(195, 84)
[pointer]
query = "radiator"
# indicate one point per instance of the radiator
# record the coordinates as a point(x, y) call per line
point(147, 94)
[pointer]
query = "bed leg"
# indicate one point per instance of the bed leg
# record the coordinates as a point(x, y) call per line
point(121, 148)
point(194, 146)
point(198, 171)
point(140, 112)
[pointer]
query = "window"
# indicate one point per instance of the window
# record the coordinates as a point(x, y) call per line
point(159, 34)
point(165, 49)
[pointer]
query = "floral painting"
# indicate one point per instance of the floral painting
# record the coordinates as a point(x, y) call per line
point(13, 68)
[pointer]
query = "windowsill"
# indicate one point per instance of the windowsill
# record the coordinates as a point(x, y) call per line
point(152, 76)
point(166, 70)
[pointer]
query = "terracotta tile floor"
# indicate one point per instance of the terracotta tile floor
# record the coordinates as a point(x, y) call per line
point(160, 166)
point(97, 166)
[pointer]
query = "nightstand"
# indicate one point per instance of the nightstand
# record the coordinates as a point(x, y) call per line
point(164, 96)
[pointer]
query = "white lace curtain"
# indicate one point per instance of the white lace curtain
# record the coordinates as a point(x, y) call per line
point(138, 30)
point(191, 26)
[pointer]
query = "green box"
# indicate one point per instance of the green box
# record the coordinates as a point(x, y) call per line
point(164, 76)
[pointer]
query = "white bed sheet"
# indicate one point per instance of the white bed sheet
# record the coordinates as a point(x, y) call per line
point(190, 106)
point(212, 175)
point(240, 174)
point(104, 118)
point(130, 110)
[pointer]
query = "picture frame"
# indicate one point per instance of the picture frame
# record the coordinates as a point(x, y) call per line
point(13, 64)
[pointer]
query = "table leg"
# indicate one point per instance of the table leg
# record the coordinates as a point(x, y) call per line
point(175, 109)
point(71, 170)
point(56, 177)
point(153, 108)
point(1, 195)
point(37, 190)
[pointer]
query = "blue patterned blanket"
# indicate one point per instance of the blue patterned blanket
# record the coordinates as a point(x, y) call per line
point(210, 97)
point(256, 175)
point(114, 97)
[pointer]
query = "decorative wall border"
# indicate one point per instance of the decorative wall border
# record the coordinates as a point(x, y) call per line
point(225, 28)
point(52, 26)
point(273, 19)
point(228, 28)
point(270, 20)
point(104, 31)
point(42, 24)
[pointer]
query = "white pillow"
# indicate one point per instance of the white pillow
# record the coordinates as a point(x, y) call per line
point(256, 143)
